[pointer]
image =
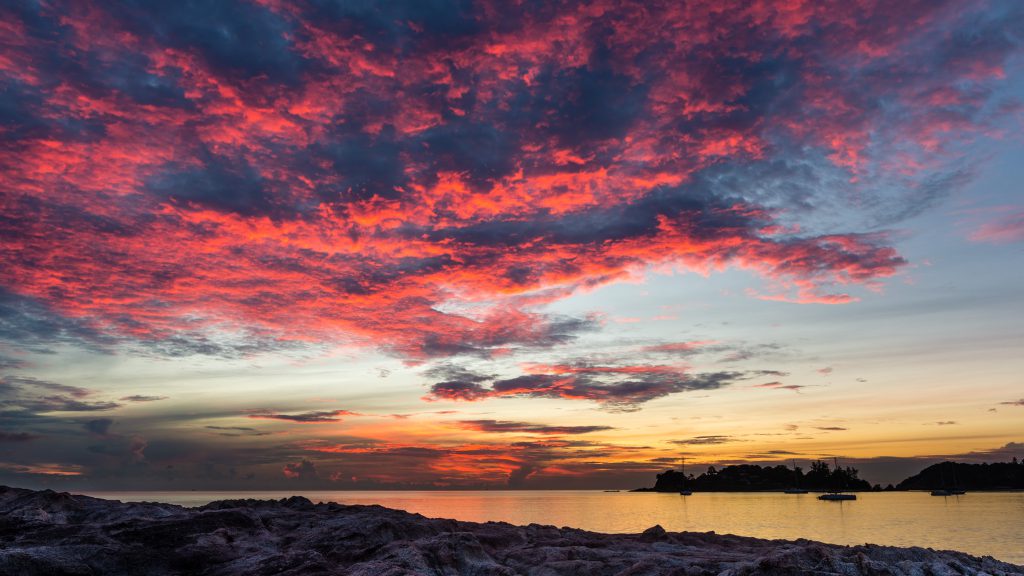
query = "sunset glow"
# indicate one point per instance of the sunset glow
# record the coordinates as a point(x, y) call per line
point(268, 244)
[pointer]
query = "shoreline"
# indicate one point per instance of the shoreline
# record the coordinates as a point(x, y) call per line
point(46, 532)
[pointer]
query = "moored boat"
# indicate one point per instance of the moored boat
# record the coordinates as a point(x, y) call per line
point(682, 470)
point(837, 496)
point(796, 481)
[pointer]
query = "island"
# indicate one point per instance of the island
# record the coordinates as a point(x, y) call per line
point(972, 477)
point(823, 478)
point(54, 533)
point(754, 478)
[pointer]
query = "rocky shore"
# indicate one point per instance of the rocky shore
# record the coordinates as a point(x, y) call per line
point(51, 533)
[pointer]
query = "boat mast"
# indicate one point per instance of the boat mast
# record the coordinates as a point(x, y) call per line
point(836, 461)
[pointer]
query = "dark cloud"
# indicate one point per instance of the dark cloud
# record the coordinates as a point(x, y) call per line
point(304, 470)
point(705, 440)
point(399, 26)
point(141, 398)
point(33, 325)
point(239, 39)
point(303, 417)
point(459, 391)
point(220, 183)
point(619, 388)
point(525, 427)
point(17, 436)
point(781, 386)
point(1014, 403)
point(518, 476)
point(830, 428)
point(236, 431)
point(741, 352)
point(99, 426)
point(7, 363)
point(28, 397)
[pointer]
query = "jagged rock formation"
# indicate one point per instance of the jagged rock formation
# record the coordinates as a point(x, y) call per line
point(49, 533)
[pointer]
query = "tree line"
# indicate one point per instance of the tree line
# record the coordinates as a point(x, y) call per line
point(823, 477)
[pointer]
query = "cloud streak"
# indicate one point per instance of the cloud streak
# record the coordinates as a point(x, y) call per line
point(315, 417)
point(620, 388)
point(505, 426)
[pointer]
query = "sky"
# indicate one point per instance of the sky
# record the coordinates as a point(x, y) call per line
point(494, 244)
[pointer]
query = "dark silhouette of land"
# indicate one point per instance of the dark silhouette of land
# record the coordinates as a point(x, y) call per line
point(752, 478)
point(822, 477)
point(970, 477)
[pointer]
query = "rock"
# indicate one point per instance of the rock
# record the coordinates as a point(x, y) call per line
point(653, 533)
point(62, 534)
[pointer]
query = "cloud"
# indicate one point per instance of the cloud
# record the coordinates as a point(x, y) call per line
point(458, 391)
point(35, 326)
point(140, 398)
point(518, 476)
point(29, 397)
point(17, 437)
point(99, 426)
point(1014, 403)
point(525, 427)
point(303, 470)
point(137, 448)
point(1004, 229)
point(303, 417)
point(258, 155)
point(705, 440)
point(620, 387)
point(780, 386)
point(236, 431)
point(830, 428)
point(680, 348)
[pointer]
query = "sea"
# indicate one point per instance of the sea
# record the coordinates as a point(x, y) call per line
point(979, 523)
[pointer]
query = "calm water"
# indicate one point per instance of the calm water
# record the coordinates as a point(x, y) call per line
point(978, 523)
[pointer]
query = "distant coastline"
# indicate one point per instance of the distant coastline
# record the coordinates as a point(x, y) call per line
point(999, 476)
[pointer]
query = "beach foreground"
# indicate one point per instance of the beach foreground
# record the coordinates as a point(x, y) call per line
point(45, 532)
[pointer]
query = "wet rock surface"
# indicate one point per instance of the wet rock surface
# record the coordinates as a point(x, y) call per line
point(50, 533)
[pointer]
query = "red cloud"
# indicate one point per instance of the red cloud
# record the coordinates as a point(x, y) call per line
point(182, 177)
point(680, 347)
point(1004, 229)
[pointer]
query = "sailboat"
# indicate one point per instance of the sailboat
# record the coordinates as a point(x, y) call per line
point(796, 480)
point(837, 495)
point(682, 469)
point(952, 491)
